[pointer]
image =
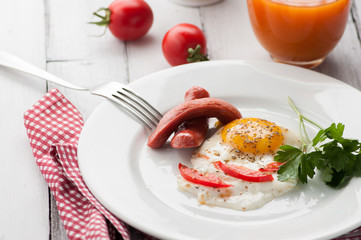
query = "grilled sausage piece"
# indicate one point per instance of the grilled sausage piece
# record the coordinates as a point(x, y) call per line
point(192, 133)
point(196, 92)
point(204, 107)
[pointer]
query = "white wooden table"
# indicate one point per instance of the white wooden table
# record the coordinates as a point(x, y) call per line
point(54, 36)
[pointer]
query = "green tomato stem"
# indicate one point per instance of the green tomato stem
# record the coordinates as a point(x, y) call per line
point(105, 20)
point(195, 55)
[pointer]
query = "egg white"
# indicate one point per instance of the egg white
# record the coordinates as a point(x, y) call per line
point(243, 195)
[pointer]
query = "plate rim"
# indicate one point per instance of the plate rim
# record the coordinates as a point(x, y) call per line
point(189, 67)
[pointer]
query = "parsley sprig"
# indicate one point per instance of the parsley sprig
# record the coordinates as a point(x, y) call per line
point(337, 158)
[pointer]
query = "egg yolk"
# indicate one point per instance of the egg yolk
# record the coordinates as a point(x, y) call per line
point(253, 135)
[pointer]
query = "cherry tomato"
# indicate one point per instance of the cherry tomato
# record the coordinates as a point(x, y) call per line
point(271, 167)
point(184, 43)
point(243, 173)
point(209, 180)
point(127, 19)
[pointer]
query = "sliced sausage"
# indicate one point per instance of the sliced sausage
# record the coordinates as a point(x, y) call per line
point(192, 133)
point(196, 92)
point(204, 107)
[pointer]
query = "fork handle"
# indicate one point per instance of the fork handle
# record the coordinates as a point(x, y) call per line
point(10, 61)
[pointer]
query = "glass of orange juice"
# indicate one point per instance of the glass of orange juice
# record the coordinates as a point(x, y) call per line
point(299, 32)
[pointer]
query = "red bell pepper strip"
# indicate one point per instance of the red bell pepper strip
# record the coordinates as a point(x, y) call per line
point(271, 167)
point(243, 173)
point(209, 180)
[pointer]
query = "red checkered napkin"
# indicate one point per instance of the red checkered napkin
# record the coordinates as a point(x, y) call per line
point(53, 125)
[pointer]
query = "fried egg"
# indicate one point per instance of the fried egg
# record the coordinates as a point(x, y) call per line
point(249, 142)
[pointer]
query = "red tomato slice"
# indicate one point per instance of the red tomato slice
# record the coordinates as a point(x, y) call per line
point(271, 167)
point(209, 180)
point(243, 173)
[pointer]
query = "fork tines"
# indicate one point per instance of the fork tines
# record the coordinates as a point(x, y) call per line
point(139, 107)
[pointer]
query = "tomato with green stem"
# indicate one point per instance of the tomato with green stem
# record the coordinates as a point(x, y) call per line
point(126, 19)
point(184, 43)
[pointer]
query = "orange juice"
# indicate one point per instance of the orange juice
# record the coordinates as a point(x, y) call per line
point(300, 32)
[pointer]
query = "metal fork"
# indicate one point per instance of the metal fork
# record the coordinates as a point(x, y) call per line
point(117, 92)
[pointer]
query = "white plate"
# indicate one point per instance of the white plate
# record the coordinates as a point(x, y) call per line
point(138, 184)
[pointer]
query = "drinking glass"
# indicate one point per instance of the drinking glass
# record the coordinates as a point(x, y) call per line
point(299, 32)
point(195, 3)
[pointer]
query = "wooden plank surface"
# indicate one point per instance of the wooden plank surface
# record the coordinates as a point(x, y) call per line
point(24, 194)
point(55, 36)
point(241, 42)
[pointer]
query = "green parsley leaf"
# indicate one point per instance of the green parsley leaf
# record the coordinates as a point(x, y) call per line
point(337, 158)
point(320, 137)
point(288, 152)
point(305, 168)
point(357, 168)
point(335, 132)
point(338, 179)
point(317, 158)
point(327, 174)
point(350, 145)
point(292, 157)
